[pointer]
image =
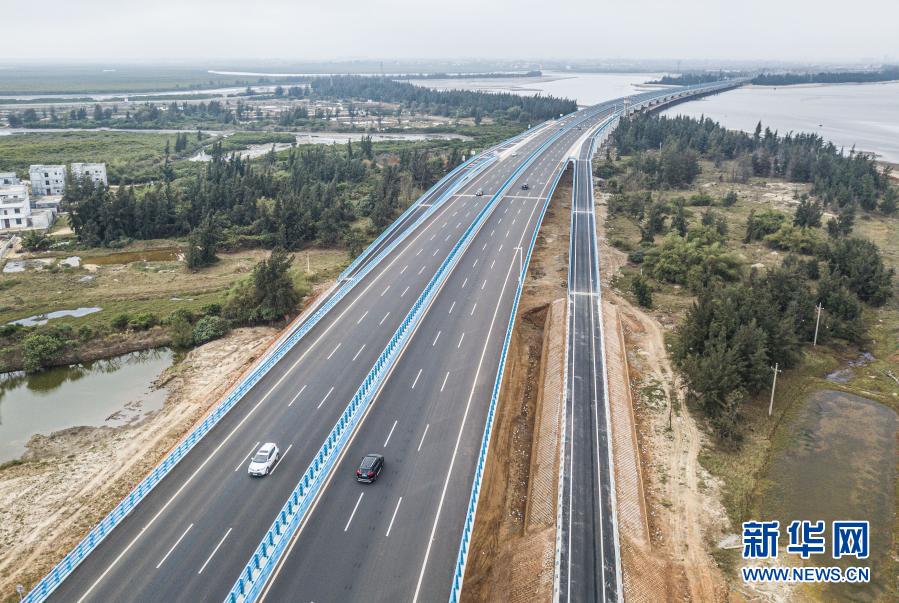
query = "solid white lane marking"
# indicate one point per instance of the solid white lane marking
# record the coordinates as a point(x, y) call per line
point(416, 378)
point(244, 459)
point(421, 270)
point(326, 397)
point(281, 458)
point(214, 551)
point(356, 506)
point(436, 338)
point(444, 381)
point(298, 395)
point(390, 434)
point(386, 289)
point(392, 519)
point(177, 542)
point(383, 319)
point(459, 345)
point(334, 350)
point(359, 352)
point(362, 317)
point(451, 308)
point(472, 309)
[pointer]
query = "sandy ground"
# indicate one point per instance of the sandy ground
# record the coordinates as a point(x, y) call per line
point(685, 513)
point(513, 547)
point(48, 503)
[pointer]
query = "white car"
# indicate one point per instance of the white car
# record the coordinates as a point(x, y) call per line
point(264, 460)
point(479, 193)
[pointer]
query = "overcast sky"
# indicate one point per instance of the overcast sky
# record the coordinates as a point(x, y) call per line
point(107, 30)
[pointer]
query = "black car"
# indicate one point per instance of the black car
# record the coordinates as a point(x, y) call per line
point(525, 186)
point(370, 468)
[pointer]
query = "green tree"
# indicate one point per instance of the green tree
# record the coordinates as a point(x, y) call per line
point(209, 328)
point(269, 295)
point(40, 351)
point(808, 213)
point(202, 244)
point(642, 291)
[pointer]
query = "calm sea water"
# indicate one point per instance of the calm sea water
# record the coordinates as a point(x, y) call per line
point(864, 115)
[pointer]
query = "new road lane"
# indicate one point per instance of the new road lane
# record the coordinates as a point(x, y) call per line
point(398, 539)
point(588, 562)
point(189, 539)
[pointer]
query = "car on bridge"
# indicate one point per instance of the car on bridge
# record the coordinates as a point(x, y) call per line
point(264, 460)
point(479, 193)
point(525, 186)
point(370, 468)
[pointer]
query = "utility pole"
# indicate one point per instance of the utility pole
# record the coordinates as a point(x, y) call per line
point(773, 385)
point(817, 322)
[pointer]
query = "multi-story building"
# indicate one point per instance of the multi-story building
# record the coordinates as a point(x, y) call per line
point(8, 178)
point(95, 171)
point(16, 212)
point(47, 179)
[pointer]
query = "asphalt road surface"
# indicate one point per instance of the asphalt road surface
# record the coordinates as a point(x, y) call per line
point(191, 536)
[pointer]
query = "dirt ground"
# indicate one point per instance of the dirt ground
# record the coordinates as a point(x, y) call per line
point(51, 500)
point(684, 509)
point(512, 551)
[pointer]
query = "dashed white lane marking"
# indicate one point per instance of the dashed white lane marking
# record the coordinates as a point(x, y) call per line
point(281, 458)
point(421, 270)
point(436, 338)
point(214, 551)
point(465, 282)
point(326, 397)
point(357, 353)
point(244, 460)
point(391, 433)
point(298, 395)
point(406, 290)
point(386, 289)
point(383, 319)
point(362, 317)
point(177, 542)
point(404, 268)
point(444, 381)
point(472, 309)
point(484, 284)
point(475, 263)
point(350, 520)
point(435, 252)
point(484, 247)
point(492, 263)
point(334, 350)
point(459, 345)
point(419, 251)
point(423, 437)
point(451, 308)
point(392, 519)
point(416, 378)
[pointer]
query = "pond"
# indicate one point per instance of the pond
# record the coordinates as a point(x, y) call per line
point(42, 319)
point(839, 463)
point(110, 392)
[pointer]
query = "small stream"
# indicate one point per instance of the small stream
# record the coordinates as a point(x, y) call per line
point(111, 392)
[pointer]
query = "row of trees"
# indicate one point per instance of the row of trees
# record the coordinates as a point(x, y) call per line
point(313, 194)
point(827, 77)
point(839, 178)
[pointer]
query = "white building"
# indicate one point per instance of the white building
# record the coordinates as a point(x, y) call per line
point(16, 212)
point(47, 179)
point(96, 172)
point(8, 178)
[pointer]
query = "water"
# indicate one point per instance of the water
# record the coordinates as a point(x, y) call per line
point(585, 88)
point(840, 463)
point(42, 319)
point(864, 115)
point(110, 392)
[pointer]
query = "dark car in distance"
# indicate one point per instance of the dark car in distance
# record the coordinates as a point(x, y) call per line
point(370, 468)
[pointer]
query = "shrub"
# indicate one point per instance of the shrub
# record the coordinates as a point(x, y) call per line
point(40, 350)
point(759, 225)
point(211, 309)
point(143, 321)
point(642, 291)
point(181, 331)
point(182, 314)
point(120, 322)
point(795, 239)
point(729, 199)
point(209, 328)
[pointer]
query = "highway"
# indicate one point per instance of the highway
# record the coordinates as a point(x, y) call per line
point(191, 536)
point(397, 539)
point(588, 569)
